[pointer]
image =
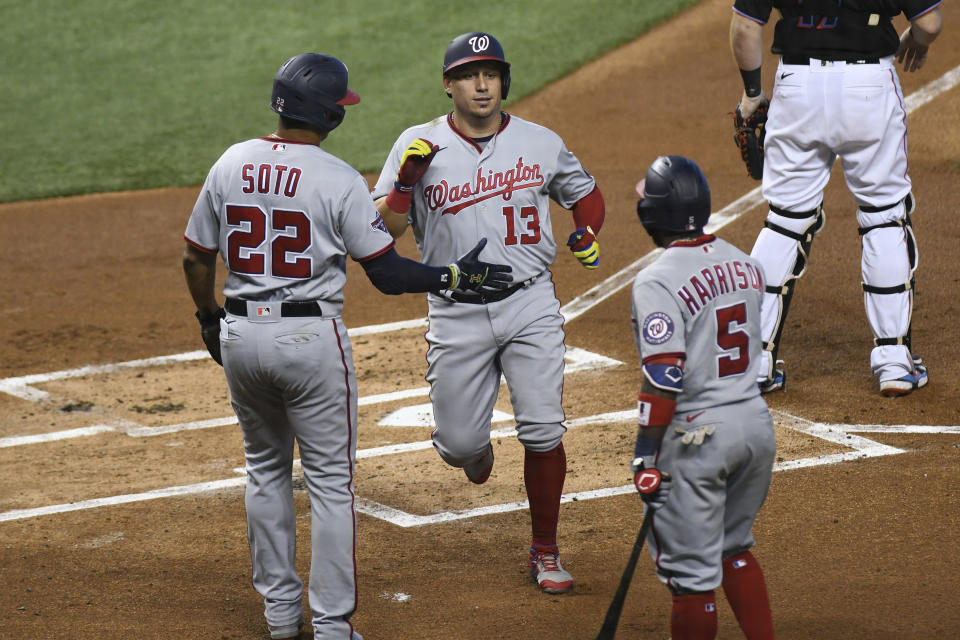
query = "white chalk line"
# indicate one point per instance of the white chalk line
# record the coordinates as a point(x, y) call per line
point(839, 434)
point(576, 360)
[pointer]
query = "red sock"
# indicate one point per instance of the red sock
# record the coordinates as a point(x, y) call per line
point(746, 592)
point(543, 475)
point(694, 617)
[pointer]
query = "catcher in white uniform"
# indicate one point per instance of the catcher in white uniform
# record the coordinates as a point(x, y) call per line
point(705, 444)
point(284, 214)
point(837, 93)
point(480, 172)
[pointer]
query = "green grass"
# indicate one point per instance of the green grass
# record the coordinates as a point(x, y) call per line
point(110, 95)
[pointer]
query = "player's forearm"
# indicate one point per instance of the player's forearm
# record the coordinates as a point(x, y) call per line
point(590, 211)
point(200, 271)
point(396, 222)
point(925, 29)
point(746, 42)
point(393, 274)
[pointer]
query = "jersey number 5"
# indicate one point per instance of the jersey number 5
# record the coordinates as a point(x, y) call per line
point(243, 242)
point(730, 336)
point(528, 216)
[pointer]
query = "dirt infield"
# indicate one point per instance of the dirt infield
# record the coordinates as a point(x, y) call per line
point(859, 537)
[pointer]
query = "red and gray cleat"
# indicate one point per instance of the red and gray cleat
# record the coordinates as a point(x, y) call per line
point(547, 571)
point(906, 384)
point(478, 471)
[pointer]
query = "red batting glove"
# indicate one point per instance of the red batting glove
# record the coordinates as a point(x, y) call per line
point(414, 163)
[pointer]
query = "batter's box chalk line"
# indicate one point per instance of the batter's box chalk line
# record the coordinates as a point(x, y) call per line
point(843, 435)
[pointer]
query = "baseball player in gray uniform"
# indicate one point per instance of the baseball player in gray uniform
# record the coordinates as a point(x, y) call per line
point(837, 94)
point(284, 214)
point(705, 444)
point(480, 172)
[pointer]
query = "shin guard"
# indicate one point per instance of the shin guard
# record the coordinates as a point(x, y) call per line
point(888, 264)
point(783, 248)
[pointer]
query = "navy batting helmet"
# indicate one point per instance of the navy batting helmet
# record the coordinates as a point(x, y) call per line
point(312, 88)
point(474, 47)
point(675, 197)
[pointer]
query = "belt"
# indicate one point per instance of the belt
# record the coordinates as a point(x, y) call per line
point(287, 309)
point(794, 59)
point(484, 298)
point(492, 296)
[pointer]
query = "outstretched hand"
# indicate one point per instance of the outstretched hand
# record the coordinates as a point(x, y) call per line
point(472, 274)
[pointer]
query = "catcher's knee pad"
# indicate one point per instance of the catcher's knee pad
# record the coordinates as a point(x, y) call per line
point(888, 262)
point(783, 248)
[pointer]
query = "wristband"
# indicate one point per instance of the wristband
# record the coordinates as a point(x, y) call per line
point(399, 201)
point(402, 188)
point(654, 411)
point(751, 82)
point(454, 276)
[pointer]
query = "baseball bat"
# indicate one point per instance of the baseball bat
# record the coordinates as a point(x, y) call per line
point(609, 628)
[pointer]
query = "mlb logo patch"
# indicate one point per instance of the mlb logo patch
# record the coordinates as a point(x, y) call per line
point(263, 312)
point(739, 564)
point(710, 607)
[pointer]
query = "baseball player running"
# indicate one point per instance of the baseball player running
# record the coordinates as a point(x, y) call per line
point(481, 172)
point(837, 93)
point(284, 214)
point(705, 444)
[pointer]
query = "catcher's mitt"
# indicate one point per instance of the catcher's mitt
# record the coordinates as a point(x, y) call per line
point(748, 135)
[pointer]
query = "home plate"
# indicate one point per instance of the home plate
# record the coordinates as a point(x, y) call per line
point(421, 415)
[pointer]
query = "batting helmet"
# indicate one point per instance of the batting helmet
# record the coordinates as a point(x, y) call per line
point(312, 88)
point(474, 47)
point(675, 197)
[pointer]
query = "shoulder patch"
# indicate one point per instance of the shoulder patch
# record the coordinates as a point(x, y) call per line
point(379, 224)
point(657, 328)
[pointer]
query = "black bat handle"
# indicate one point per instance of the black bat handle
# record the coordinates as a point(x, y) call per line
point(610, 622)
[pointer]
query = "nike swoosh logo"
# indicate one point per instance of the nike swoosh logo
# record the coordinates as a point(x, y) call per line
point(784, 75)
point(695, 416)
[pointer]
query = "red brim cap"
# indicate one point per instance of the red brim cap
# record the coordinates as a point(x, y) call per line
point(350, 98)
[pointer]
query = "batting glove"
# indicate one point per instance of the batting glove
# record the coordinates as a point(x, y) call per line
point(583, 243)
point(469, 273)
point(654, 485)
point(695, 436)
point(414, 163)
point(210, 332)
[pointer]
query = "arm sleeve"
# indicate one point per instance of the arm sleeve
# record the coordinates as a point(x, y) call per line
point(589, 211)
point(393, 274)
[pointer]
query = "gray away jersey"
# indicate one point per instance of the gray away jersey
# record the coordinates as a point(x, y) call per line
point(284, 215)
point(701, 300)
point(500, 191)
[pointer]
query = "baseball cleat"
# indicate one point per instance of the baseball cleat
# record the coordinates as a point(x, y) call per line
point(778, 382)
point(906, 384)
point(284, 631)
point(547, 571)
point(478, 471)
